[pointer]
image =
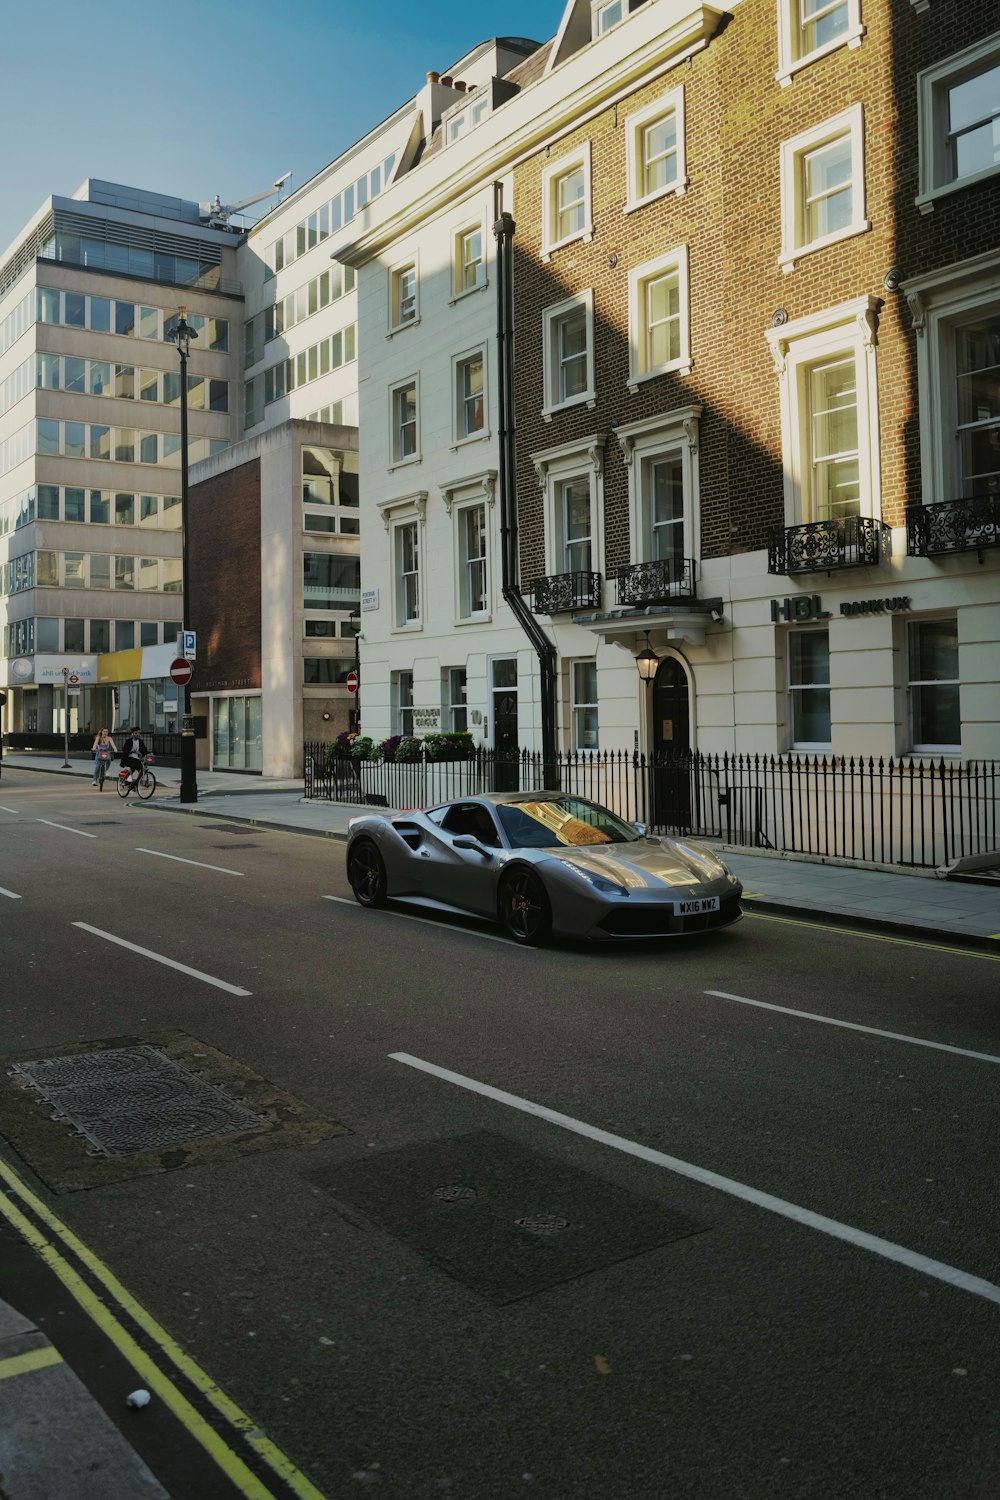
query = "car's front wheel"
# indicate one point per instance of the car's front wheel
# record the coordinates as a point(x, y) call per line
point(366, 873)
point(524, 907)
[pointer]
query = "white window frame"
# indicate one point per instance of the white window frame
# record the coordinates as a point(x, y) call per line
point(636, 126)
point(551, 176)
point(917, 747)
point(464, 595)
point(579, 705)
point(458, 496)
point(396, 513)
point(932, 102)
point(939, 303)
point(793, 743)
point(451, 704)
point(395, 390)
point(639, 279)
point(457, 263)
point(790, 60)
point(459, 437)
point(849, 328)
point(671, 435)
point(396, 322)
point(551, 317)
point(398, 708)
point(849, 124)
point(554, 466)
point(597, 8)
point(403, 620)
point(475, 108)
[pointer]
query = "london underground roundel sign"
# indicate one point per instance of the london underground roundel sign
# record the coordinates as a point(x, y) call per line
point(180, 671)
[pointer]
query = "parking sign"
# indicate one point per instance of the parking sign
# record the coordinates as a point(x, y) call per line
point(189, 645)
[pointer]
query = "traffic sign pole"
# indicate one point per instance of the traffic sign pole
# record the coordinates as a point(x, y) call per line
point(65, 673)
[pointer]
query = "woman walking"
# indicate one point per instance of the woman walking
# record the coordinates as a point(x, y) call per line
point(103, 748)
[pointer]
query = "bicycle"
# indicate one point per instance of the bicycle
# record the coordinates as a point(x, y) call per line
point(144, 787)
point(104, 756)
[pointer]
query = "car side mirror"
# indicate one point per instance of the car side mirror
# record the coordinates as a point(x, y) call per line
point(469, 843)
point(640, 828)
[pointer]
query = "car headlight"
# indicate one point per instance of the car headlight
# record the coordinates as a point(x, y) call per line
point(599, 882)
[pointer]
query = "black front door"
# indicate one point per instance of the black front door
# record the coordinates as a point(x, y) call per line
point(671, 747)
point(505, 746)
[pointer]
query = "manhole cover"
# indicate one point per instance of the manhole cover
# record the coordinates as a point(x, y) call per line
point(543, 1225)
point(132, 1099)
point(103, 823)
point(501, 1218)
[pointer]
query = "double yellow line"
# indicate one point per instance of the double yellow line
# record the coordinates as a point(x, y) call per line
point(49, 1243)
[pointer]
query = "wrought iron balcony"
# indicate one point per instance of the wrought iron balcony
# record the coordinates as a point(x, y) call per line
point(827, 546)
point(656, 582)
point(953, 526)
point(561, 592)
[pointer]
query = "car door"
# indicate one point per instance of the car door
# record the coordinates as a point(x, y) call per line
point(466, 878)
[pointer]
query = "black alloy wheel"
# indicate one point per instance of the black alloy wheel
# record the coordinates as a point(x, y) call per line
point(366, 873)
point(524, 908)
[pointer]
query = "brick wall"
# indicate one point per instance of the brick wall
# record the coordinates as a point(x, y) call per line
point(224, 561)
point(737, 116)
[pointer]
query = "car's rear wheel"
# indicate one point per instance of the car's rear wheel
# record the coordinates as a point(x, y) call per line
point(524, 908)
point(366, 873)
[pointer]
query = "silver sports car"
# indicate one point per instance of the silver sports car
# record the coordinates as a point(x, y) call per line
point(541, 863)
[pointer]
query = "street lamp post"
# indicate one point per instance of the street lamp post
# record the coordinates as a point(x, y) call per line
point(181, 334)
point(355, 620)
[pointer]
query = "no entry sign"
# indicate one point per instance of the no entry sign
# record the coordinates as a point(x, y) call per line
point(352, 682)
point(180, 671)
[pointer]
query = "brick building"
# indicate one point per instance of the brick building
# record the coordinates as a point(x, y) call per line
point(758, 376)
point(275, 578)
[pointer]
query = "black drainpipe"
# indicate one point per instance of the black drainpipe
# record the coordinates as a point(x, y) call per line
point(503, 229)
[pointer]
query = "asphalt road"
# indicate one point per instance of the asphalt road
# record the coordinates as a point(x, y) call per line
point(759, 1254)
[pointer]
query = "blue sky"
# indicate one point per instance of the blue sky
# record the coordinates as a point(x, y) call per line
point(197, 99)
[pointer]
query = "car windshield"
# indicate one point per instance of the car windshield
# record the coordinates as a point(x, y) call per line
point(559, 822)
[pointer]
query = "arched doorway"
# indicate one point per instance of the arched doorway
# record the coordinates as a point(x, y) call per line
point(671, 745)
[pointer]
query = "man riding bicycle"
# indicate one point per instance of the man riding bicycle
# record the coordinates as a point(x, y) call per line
point(134, 754)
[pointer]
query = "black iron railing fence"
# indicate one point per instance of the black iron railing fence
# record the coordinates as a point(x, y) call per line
point(893, 812)
point(967, 525)
point(852, 542)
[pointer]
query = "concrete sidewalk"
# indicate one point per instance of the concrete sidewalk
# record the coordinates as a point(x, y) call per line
point(894, 901)
point(55, 1439)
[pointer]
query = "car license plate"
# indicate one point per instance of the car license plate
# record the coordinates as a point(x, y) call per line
point(704, 903)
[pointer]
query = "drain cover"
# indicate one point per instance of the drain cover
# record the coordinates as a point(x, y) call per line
point(225, 828)
point(226, 846)
point(132, 1099)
